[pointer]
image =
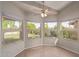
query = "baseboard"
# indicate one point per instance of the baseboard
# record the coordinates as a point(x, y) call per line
point(68, 49)
point(33, 46)
point(19, 52)
point(41, 45)
point(49, 44)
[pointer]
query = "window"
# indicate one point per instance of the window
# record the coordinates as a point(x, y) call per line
point(69, 30)
point(50, 29)
point(33, 29)
point(11, 30)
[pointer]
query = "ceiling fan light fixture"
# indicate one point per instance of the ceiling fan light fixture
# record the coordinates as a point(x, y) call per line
point(43, 14)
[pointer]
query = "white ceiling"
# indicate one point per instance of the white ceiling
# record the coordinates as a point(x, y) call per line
point(33, 8)
point(36, 6)
point(50, 5)
point(57, 5)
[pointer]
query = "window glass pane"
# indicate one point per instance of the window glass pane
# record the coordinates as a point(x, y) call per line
point(11, 30)
point(11, 36)
point(33, 29)
point(50, 29)
point(10, 24)
point(69, 30)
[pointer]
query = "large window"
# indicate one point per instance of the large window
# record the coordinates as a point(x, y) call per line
point(11, 29)
point(69, 29)
point(50, 29)
point(33, 29)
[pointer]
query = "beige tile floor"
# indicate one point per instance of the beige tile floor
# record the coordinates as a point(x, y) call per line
point(46, 51)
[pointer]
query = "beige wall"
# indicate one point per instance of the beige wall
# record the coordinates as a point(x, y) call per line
point(11, 10)
point(0, 28)
point(68, 13)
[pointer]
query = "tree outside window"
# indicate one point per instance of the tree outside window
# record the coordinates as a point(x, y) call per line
point(33, 29)
point(11, 30)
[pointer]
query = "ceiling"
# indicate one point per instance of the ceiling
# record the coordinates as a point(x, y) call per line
point(57, 5)
point(36, 6)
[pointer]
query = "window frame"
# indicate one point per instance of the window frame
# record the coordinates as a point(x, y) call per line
point(55, 30)
point(74, 29)
point(28, 30)
point(11, 30)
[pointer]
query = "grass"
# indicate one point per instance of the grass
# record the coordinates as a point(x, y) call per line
point(33, 35)
point(11, 36)
point(15, 36)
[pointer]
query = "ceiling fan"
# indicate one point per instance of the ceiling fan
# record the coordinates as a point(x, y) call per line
point(44, 11)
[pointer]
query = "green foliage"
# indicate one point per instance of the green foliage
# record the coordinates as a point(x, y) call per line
point(53, 33)
point(34, 32)
point(11, 23)
point(51, 30)
point(66, 34)
point(6, 22)
point(31, 26)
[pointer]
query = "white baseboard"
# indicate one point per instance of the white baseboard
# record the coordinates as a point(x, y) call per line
point(33, 46)
point(19, 52)
point(49, 44)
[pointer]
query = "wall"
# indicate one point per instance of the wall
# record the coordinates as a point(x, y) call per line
point(0, 28)
point(50, 41)
point(11, 10)
point(51, 18)
point(12, 49)
point(70, 12)
point(70, 45)
point(33, 43)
